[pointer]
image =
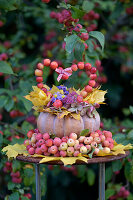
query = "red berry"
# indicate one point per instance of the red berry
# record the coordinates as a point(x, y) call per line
point(93, 70)
point(88, 88)
point(28, 195)
point(92, 83)
point(40, 85)
point(38, 136)
point(46, 136)
point(74, 67)
point(31, 151)
point(57, 104)
point(44, 148)
point(1, 132)
point(83, 93)
point(53, 65)
point(13, 113)
point(39, 79)
point(38, 72)
point(93, 76)
point(65, 77)
point(45, 1)
point(38, 151)
point(84, 36)
point(81, 65)
point(88, 66)
point(98, 63)
point(57, 141)
point(44, 89)
point(86, 46)
point(30, 133)
point(53, 149)
point(40, 66)
point(49, 142)
point(46, 62)
point(79, 99)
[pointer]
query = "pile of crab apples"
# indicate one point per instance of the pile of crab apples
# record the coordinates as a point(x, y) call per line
point(47, 145)
point(87, 67)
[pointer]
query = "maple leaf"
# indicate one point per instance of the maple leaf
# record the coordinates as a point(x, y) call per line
point(97, 96)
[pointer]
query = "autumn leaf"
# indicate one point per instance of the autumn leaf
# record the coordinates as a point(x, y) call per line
point(97, 96)
point(55, 89)
point(64, 113)
point(75, 116)
point(13, 150)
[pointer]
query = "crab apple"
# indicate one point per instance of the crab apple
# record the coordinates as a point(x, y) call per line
point(88, 146)
point(65, 139)
point(73, 136)
point(76, 153)
point(96, 151)
point(57, 154)
point(81, 65)
point(70, 150)
point(94, 134)
point(57, 141)
point(53, 149)
point(30, 133)
point(1, 116)
point(28, 147)
point(49, 142)
point(16, 180)
point(46, 62)
point(83, 93)
point(106, 150)
point(110, 140)
point(38, 150)
point(65, 77)
point(38, 72)
point(84, 36)
point(88, 140)
point(45, 1)
point(63, 146)
point(93, 76)
point(88, 88)
point(31, 151)
point(38, 136)
point(44, 148)
point(106, 143)
point(40, 85)
point(39, 79)
point(58, 104)
point(93, 144)
point(40, 66)
point(26, 143)
point(71, 142)
point(92, 83)
point(33, 139)
point(102, 138)
point(98, 63)
point(88, 66)
point(111, 146)
point(53, 65)
point(63, 153)
point(15, 174)
point(86, 46)
point(79, 99)
point(81, 139)
point(97, 140)
point(28, 195)
point(77, 146)
point(74, 67)
point(107, 134)
point(83, 150)
point(93, 70)
point(41, 141)
point(99, 132)
point(76, 141)
point(46, 136)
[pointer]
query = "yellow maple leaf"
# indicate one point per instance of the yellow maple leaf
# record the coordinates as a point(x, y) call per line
point(97, 96)
point(55, 89)
point(13, 150)
point(75, 116)
point(64, 113)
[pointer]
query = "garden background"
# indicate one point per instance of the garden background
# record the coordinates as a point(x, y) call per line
point(33, 30)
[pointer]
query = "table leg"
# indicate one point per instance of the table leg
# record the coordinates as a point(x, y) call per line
point(101, 181)
point(38, 183)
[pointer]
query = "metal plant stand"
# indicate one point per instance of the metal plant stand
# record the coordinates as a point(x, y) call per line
point(99, 160)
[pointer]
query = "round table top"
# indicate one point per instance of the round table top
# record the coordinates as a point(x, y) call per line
point(103, 159)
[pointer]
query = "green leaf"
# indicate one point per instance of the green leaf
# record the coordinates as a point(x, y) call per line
point(108, 174)
point(87, 6)
point(109, 193)
point(5, 68)
point(90, 45)
point(9, 5)
point(14, 196)
point(1, 139)
point(116, 165)
point(131, 109)
point(78, 50)
point(9, 105)
point(11, 185)
point(28, 172)
point(84, 132)
point(90, 60)
point(90, 177)
point(26, 126)
point(77, 13)
point(24, 198)
point(3, 101)
point(16, 165)
point(70, 42)
point(130, 135)
point(28, 105)
point(127, 171)
point(99, 36)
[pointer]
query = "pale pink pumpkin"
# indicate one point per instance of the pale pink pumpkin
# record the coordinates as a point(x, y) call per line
point(50, 123)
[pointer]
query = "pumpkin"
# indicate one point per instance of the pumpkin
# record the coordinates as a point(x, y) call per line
point(50, 123)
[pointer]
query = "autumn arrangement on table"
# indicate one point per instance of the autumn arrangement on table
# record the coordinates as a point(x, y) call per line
point(68, 125)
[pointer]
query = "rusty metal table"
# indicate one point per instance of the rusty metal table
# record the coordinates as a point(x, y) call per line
point(97, 160)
